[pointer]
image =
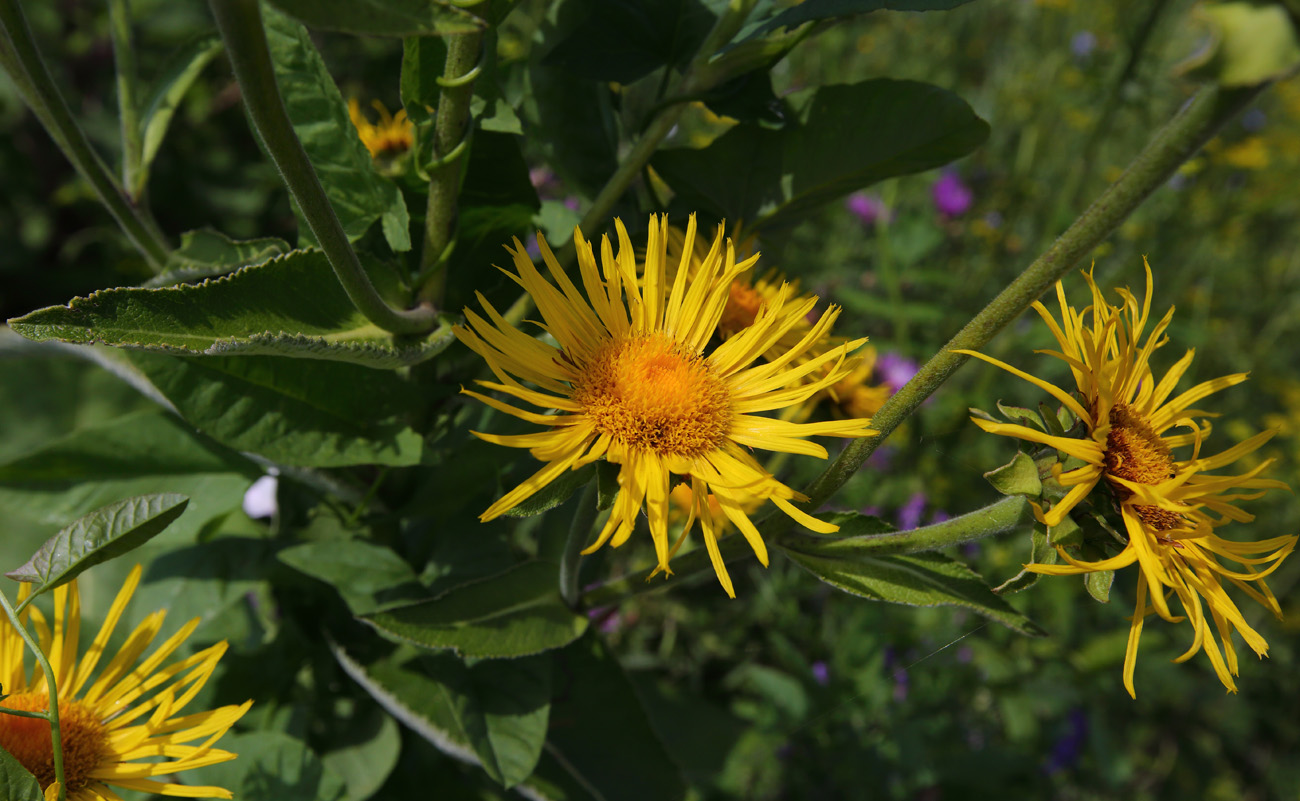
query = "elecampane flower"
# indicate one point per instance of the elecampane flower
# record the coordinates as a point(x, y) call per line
point(124, 728)
point(633, 381)
point(1170, 505)
point(392, 136)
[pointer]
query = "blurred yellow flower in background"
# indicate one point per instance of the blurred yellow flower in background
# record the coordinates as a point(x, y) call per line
point(392, 136)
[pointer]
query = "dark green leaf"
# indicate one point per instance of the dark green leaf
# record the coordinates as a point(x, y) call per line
point(359, 570)
point(606, 484)
point(372, 748)
point(918, 579)
point(515, 613)
point(570, 122)
point(1017, 477)
point(623, 40)
point(303, 412)
point(358, 193)
point(289, 306)
point(384, 17)
point(99, 536)
point(816, 10)
point(272, 767)
point(600, 734)
point(16, 782)
point(207, 253)
point(423, 60)
point(178, 75)
point(555, 493)
point(846, 137)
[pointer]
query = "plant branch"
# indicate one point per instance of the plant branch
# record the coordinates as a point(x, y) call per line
point(119, 27)
point(1181, 137)
point(21, 59)
point(56, 738)
point(451, 134)
point(240, 24)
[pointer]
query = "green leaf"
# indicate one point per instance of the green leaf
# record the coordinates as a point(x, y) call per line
point(1017, 477)
point(383, 17)
point(844, 137)
point(918, 579)
point(1248, 43)
point(599, 732)
point(555, 493)
point(623, 40)
point(1098, 584)
point(374, 744)
point(570, 123)
point(358, 193)
point(501, 707)
point(1041, 552)
point(514, 613)
point(289, 306)
point(99, 536)
point(178, 75)
point(818, 10)
point(423, 60)
point(207, 253)
point(16, 782)
point(606, 484)
point(131, 455)
point(272, 767)
point(302, 412)
point(359, 570)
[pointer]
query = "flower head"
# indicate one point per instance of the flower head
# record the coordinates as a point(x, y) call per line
point(952, 197)
point(634, 380)
point(391, 137)
point(116, 728)
point(1169, 505)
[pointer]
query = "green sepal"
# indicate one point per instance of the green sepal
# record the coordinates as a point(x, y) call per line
point(1098, 584)
point(1041, 552)
point(1021, 416)
point(1017, 477)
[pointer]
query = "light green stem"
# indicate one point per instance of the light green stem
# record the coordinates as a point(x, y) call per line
point(451, 133)
point(1189, 129)
point(119, 27)
point(56, 738)
point(23, 62)
point(240, 23)
point(579, 534)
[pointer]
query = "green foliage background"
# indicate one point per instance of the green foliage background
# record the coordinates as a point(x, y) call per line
point(791, 691)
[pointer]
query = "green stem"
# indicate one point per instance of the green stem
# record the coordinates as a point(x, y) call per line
point(23, 62)
point(695, 80)
point(1181, 137)
point(56, 737)
point(240, 24)
point(1007, 514)
point(119, 27)
point(685, 568)
point(579, 534)
point(451, 134)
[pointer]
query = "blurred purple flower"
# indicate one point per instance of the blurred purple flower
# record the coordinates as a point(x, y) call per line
point(572, 203)
point(899, 674)
point(1082, 45)
point(895, 370)
point(882, 458)
point(1253, 120)
point(939, 516)
point(606, 618)
point(531, 247)
point(909, 515)
point(965, 654)
point(821, 673)
point(868, 208)
point(993, 219)
point(1067, 750)
point(952, 197)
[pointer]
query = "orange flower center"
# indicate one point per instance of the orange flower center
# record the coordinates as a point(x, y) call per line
point(1136, 453)
point(85, 740)
point(650, 394)
point(742, 307)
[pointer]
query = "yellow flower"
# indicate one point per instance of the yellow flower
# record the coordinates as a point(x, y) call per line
point(393, 136)
point(122, 729)
point(1170, 506)
point(634, 381)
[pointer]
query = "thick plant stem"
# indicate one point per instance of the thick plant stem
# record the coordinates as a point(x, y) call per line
point(451, 133)
point(56, 737)
point(21, 59)
point(119, 27)
point(240, 24)
point(1189, 129)
point(579, 533)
